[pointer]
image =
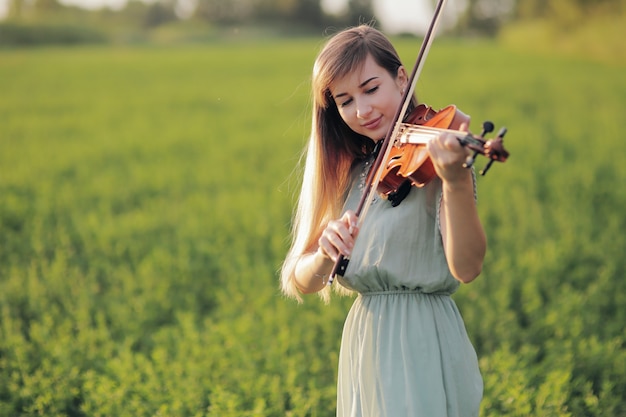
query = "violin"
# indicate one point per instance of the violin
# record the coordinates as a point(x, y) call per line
point(409, 159)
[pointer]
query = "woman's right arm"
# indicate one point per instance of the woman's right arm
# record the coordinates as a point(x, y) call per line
point(313, 268)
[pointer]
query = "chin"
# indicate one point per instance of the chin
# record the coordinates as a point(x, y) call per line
point(375, 136)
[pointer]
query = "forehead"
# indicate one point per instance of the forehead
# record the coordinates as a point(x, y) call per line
point(354, 79)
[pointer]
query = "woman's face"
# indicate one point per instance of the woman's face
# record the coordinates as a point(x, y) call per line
point(368, 99)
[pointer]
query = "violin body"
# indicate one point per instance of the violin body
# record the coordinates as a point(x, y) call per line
point(411, 160)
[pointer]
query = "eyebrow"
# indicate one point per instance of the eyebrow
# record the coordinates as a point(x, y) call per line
point(363, 84)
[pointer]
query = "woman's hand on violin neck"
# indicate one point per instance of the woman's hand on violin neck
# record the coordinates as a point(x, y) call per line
point(448, 157)
point(338, 237)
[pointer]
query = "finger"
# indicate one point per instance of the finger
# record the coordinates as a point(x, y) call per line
point(446, 151)
point(327, 249)
point(333, 246)
point(343, 240)
point(336, 239)
point(351, 220)
point(442, 144)
point(453, 141)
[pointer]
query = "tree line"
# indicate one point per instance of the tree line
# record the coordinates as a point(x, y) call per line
point(483, 17)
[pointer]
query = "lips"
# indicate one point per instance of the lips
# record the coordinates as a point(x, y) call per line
point(373, 124)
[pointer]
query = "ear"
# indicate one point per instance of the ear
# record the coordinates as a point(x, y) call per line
point(402, 79)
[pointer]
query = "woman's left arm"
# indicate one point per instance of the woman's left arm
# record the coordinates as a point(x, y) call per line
point(464, 239)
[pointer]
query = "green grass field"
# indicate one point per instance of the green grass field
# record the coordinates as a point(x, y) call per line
point(145, 200)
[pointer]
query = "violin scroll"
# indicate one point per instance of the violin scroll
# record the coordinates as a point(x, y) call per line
point(492, 148)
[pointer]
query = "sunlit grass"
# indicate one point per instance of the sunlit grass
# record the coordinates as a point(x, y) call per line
point(145, 200)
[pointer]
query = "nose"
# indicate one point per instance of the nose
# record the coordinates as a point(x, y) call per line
point(363, 109)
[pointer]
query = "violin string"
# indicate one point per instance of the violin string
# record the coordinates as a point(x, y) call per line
point(434, 130)
point(424, 134)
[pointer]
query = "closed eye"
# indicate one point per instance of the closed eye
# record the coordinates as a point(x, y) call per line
point(368, 91)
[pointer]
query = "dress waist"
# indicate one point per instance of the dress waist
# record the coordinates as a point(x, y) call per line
point(403, 292)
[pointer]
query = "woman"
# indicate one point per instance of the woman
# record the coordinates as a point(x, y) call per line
point(404, 351)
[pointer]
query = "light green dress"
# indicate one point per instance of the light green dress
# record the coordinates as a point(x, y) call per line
point(404, 351)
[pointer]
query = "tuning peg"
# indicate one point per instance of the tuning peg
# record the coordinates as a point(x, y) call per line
point(487, 127)
point(501, 134)
point(486, 168)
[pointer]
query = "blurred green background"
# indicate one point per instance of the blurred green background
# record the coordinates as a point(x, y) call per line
point(148, 173)
point(594, 28)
